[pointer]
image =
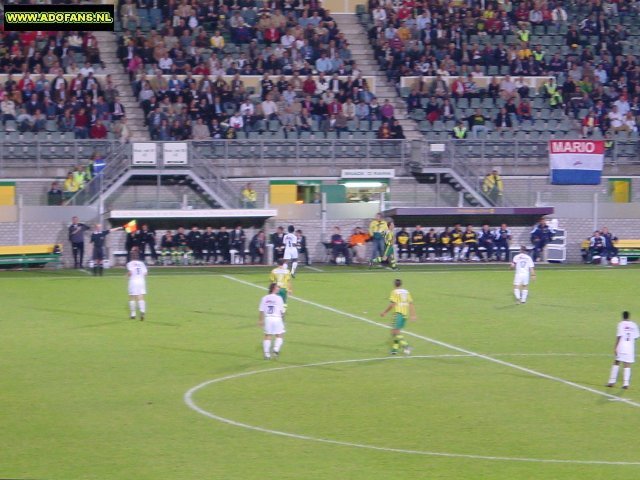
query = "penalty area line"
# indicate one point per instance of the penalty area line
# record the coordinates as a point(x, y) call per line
point(450, 346)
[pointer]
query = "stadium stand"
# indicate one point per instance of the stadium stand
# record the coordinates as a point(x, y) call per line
point(217, 71)
point(565, 58)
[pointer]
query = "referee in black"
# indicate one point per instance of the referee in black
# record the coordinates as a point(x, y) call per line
point(98, 239)
point(76, 237)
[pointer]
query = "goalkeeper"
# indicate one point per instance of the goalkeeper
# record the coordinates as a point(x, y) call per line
point(388, 255)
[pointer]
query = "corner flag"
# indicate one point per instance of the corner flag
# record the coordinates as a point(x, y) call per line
point(130, 227)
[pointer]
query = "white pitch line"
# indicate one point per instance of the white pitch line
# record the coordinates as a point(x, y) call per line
point(454, 347)
point(188, 400)
point(213, 273)
point(314, 269)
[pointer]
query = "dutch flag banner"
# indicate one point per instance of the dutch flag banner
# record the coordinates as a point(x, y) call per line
point(576, 162)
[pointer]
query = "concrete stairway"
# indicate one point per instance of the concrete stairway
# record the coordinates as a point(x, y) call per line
point(135, 116)
point(366, 62)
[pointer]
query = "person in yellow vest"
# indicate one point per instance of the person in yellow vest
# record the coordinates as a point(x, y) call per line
point(79, 177)
point(377, 230)
point(556, 100)
point(549, 87)
point(523, 33)
point(249, 196)
point(459, 131)
point(492, 187)
point(69, 187)
point(538, 55)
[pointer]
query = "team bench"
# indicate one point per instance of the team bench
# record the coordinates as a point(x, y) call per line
point(626, 248)
point(30, 255)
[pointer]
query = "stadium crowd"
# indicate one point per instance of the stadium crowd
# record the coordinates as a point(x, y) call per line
point(188, 70)
point(593, 79)
point(50, 85)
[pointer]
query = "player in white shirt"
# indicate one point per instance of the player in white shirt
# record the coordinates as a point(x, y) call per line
point(525, 271)
point(290, 241)
point(137, 273)
point(271, 313)
point(624, 350)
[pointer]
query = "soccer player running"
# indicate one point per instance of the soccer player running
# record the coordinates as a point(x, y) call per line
point(388, 255)
point(525, 270)
point(401, 302)
point(281, 276)
point(271, 320)
point(137, 273)
point(624, 350)
point(291, 249)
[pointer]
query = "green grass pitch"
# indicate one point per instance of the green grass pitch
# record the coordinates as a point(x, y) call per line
point(493, 390)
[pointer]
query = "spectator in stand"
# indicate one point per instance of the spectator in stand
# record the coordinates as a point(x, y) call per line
point(70, 187)
point(460, 131)
point(249, 196)
point(492, 187)
point(397, 133)
point(524, 112)
point(384, 132)
point(98, 131)
point(503, 120)
point(477, 123)
point(589, 124)
point(54, 195)
point(8, 108)
point(433, 110)
point(200, 131)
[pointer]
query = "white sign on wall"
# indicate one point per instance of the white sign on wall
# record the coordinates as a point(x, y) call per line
point(144, 154)
point(175, 153)
point(368, 173)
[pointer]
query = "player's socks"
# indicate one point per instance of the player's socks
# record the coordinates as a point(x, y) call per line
point(294, 265)
point(266, 347)
point(401, 341)
point(100, 270)
point(626, 376)
point(525, 294)
point(142, 305)
point(95, 271)
point(516, 292)
point(613, 377)
point(277, 344)
point(132, 308)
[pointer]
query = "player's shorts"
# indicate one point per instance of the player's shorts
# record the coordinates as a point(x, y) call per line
point(521, 279)
point(137, 288)
point(290, 253)
point(626, 357)
point(98, 253)
point(273, 326)
point(283, 294)
point(399, 321)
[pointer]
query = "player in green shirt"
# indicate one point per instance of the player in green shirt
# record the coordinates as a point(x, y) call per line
point(388, 255)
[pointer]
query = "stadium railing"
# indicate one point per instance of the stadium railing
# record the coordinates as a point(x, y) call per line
point(513, 152)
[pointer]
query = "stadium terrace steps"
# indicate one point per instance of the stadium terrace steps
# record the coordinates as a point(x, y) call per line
point(135, 116)
point(363, 56)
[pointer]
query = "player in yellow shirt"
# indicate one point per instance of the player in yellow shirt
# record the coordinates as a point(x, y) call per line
point(401, 302)
point(388, 254)
point(282, 277)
